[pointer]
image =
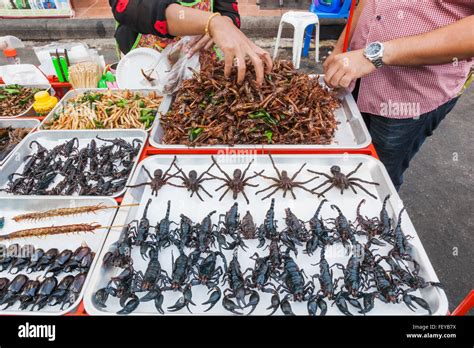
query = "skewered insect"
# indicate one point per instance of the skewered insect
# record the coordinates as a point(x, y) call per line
point(343, 181)
point(192, 182)
point(63, 212)
point(159, 179)
point(51, 230)
point(237, 183)
point(284, 182)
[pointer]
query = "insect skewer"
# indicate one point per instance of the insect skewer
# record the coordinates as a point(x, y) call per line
point(54, 230)
point(67, 211)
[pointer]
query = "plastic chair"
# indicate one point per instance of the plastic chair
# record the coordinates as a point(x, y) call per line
point(299, 20)
point(315, 7)
point(465, 306)
point(333, 7)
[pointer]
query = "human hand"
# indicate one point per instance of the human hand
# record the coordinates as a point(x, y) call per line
point(235, 45)
point(341, 69)
point(198, 43)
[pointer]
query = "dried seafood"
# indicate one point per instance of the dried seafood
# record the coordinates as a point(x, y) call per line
point(16, 100)
point(9, 138)
point(289, 108)
point(111, 109)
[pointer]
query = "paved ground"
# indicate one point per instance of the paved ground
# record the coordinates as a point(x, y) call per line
point(438, 190)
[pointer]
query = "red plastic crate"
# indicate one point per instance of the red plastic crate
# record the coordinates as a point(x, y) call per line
point(369, 150)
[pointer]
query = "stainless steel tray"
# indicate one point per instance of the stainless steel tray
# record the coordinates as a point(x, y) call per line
point(304, 208)
point(20, 205)
point(352, 132)
point(18, 123)
point(49, 139)
point(75, 92)
point(30, 111)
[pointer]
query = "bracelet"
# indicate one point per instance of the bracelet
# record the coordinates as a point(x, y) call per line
point(206, 30)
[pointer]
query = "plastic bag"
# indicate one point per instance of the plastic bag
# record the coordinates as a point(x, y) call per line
point(10, 42)
point(78, 52)
point(175, 67)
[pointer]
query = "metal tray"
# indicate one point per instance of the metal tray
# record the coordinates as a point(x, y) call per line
point(20, 205)
point(18, 123)
point(304, 208)
point(30, 111)
point(352, 132)
point(75, 92)
point(49, 139)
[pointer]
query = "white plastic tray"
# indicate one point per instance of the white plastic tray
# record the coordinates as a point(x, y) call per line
point(18, 123)
point(304, 208)
point(75, 92)
point(351, 132)
point(29, 111)
point(20, 205)
point(50, 139)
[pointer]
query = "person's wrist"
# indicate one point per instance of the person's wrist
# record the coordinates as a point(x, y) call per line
point(388, 53)
point(338, 48)
point(217, 22)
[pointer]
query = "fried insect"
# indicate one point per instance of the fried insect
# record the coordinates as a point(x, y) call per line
point(159, 179)
point(16, 99)
point(107, 109)
point(87, 209)
point(284, 182)
point(192, 182)
point(343, 181)
point(237, 183)
point(9, 138)
point(289, 107)
point(51, 230)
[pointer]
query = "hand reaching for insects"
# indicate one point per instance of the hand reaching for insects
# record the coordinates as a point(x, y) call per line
point(198, 43)
point(236, 46)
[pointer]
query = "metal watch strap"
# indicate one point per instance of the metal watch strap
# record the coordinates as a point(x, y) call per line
point(378, 62)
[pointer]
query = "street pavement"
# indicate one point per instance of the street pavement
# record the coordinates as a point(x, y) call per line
point(438, 189)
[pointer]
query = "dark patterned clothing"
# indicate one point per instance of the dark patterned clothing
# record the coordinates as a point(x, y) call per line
point(142, 23)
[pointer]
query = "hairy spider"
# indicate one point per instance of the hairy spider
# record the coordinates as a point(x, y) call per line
point(343, 181)
point(159, 179)
point(192, 182)
point(237, 183)
point(284, 182)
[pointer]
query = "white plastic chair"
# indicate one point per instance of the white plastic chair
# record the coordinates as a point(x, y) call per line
point(299, 20)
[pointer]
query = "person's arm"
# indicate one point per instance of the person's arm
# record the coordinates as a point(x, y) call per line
point(338, 47)
point(440, 46)
point(233, 43)
point(227, 8)
point(167, 18)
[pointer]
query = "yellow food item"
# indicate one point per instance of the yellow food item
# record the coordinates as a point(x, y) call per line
point(44, 102)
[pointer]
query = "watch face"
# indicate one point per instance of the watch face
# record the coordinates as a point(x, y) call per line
point(373, 49)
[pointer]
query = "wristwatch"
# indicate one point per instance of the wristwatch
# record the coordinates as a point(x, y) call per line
point(374, 53)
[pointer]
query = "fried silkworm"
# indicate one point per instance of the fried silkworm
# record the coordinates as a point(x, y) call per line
point(51, 230)
point(65, 212)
